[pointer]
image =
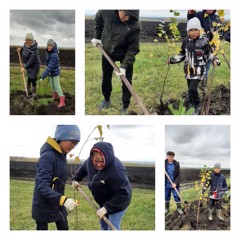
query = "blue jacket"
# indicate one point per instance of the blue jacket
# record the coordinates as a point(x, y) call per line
point(31, 59)
point(176, 173)
point(110, 187)
point(53, 63)
point(51, 176)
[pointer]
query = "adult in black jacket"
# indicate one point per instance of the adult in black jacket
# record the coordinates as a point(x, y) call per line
point(108, 182)
point(172, 169)
point(49, 202)
point(218, 186)
point(118, 31)
point(31, 60)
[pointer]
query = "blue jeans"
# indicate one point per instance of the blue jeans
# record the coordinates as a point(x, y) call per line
point(168, 191)
point(115, 219)
point(208, 65)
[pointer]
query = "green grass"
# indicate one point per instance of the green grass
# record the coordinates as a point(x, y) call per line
point(67, 81)
point(149, 73)
point(140, 215)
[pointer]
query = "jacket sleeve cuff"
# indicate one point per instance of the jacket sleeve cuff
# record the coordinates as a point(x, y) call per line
point(62, 200)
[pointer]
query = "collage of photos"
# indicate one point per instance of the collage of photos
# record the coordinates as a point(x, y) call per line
point(90, 162)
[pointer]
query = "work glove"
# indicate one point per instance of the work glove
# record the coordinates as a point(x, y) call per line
point(122, 72)
point(96, 41)
point(70, 204)
point(75, 185)
point(22, 70)
point(101, 212)
point(39, 80)
point(217, 62)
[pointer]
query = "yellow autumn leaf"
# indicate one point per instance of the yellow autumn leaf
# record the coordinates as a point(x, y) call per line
point(71, 155)
point(76, 160)
point(221, 14)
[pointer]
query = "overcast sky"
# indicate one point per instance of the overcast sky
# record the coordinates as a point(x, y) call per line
point(43, 24)
point(131, 143)
point(159, 13)
point(196, 146)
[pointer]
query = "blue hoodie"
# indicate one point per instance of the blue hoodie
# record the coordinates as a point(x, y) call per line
point(51, 176)
point(110, 187)
point(53, 63)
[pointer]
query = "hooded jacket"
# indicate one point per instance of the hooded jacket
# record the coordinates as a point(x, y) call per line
point(119, 39)
point(31, 59)
point(176, 173)
point(110, 187)
point(195, 53)
point(51, 176)
point(53, 63)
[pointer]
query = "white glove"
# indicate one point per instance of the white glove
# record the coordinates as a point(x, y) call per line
point(75, 185)
point(70, 204)
point(101, 212)
point(95, 42)
point(122, 72)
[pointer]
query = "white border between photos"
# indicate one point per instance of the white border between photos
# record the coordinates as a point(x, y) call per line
point(159, 121)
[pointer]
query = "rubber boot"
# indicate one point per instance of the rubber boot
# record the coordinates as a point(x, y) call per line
point(34, 90)
point(104, 104)
point(210, 213)
point(55, 96)
point(219, 215)
point(203, 85)
point(28, 89)
point(62, 102)
point(179, 208)
point(167, 206)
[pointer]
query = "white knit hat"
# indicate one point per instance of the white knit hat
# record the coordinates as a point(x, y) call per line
point(193, 23)
point(29, 36)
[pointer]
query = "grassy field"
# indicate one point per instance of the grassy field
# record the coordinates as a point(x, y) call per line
point(67, 81)
point(149, 73)
point(140, 215)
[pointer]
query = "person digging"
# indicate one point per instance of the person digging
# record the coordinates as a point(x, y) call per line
point(172, 168)
point(218, 186)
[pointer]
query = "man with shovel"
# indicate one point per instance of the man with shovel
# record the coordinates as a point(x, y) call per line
point(172, 182)
point(118, 31)
point(108, 182)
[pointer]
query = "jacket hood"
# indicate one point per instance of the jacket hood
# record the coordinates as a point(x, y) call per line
point(33, 46)
point(107, 150)
point(50, 145)
point(133, 13)
point(55, 48)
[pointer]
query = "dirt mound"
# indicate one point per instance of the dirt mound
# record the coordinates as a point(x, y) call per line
point(44, 105)
point(219, 103)
point(188, 221)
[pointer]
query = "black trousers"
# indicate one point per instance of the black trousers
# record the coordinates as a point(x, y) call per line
point(61, 225)
point(32, 81)
point(193, 92)
point(107, 70)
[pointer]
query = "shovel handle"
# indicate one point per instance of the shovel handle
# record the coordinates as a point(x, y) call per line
point(23, 76)
point(95, 207)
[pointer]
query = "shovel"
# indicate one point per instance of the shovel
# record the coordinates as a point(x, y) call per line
point(95, 207)
point(23, 75)
point(176, 191)
point(125, 81)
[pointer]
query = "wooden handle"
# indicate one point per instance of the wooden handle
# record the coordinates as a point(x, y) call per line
point(23, 75)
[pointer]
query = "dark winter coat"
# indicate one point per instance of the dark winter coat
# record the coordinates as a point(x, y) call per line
point(51, 176)
point(195, 54)
point(119, 39)
point(176, 174)
point(53, 63)
point(217, 184)
point(207, 21)
point(31, 59)
point(110, 187)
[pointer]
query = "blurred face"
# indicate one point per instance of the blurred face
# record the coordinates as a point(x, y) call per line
point(67, 146)
point(98, 161)
point(28, 42)
point(50, 47)
point(124, 17)
point(217, 170)
point(170, 158)
point(210, 11)
point(193, 33)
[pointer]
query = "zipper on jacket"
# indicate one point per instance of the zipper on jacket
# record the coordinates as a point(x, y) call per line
point(62, 216)
point(128, 28)
point(94, 177)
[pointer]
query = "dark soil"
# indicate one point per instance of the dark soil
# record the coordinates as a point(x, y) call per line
point(21, 105)
point(67, 57)
point(219, 103)
point(138, 176)
point(188, 221)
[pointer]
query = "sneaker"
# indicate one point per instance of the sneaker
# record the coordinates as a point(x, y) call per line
point(124, 111)
point(104, 104)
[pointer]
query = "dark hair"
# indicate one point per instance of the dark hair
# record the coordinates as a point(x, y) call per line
point(170, 153)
